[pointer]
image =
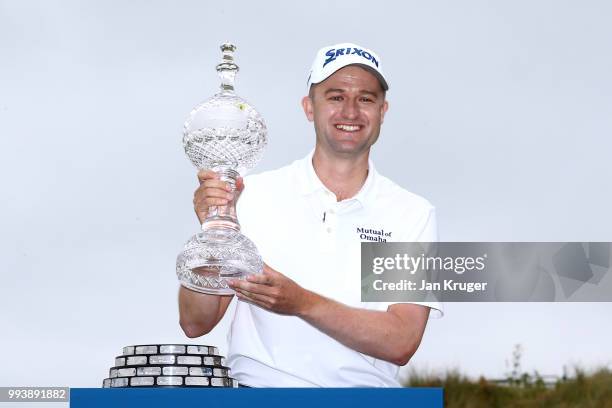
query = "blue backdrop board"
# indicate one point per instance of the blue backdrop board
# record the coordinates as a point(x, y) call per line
point(264, 397)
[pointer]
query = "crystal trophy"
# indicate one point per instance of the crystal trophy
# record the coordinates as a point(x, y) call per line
point(227, 135)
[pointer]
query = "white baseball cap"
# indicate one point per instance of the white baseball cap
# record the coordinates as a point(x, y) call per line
point(330, 59)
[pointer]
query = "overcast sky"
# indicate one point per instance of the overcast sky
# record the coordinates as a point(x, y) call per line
point(500, 115)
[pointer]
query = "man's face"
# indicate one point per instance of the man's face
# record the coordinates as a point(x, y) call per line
point(347, 110)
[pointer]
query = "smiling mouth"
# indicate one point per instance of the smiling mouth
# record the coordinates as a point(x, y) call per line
point(348, 128)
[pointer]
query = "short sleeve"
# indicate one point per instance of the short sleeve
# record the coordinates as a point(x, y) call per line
point(428, 233)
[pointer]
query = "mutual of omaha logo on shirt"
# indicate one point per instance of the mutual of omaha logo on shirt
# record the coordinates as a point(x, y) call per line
point(375, 235)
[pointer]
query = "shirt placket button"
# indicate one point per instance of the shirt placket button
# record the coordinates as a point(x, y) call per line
point(332, 220)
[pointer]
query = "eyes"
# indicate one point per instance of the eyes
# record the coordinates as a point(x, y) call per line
point(340, 98)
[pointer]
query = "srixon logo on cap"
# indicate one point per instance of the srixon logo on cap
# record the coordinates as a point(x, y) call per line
point(333, 54)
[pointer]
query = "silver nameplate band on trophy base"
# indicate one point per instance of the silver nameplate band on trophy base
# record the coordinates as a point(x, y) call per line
point(222, 382)
point(170, 349)
point(176, 370)
point(146, 350)
point(169, 381)
point(145, 371)
point(201, 371)
point(165, 359)
point(142, 382)
point(213, 351)
point(137, 360)
point(189, 360)
point(126, 372)
point(169, 365)
point(161, 359)
point(197, 381)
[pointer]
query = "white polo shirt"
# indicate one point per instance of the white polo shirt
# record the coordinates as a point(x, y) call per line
point(304, 233)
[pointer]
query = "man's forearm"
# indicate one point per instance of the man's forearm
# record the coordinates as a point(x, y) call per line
point(393, 335)
point(383, 335)
point(200, 313)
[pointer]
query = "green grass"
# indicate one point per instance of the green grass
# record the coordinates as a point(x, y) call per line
point(584, 390)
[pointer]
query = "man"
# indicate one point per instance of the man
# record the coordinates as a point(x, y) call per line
point(301, 322)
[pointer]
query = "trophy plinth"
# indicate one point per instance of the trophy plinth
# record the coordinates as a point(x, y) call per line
point(227, 135)
point(169, 365)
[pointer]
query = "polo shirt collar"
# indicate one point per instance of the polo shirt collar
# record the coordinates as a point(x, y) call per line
point(310, 182)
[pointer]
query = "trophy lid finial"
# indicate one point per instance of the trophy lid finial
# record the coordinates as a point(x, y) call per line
point(228, 46)
point(227, 68)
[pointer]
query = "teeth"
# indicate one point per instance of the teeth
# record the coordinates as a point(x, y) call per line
point(348, 128)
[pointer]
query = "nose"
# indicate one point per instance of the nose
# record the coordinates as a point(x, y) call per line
point(350, 109)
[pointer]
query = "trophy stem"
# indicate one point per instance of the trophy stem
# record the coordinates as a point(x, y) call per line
point(224, 216)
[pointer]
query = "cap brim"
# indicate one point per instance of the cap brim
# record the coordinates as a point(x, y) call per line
point(377, 74)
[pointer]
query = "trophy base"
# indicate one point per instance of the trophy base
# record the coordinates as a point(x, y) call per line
point(206, 279)
point(169, 366)
point(215, 255)
point(221, 291)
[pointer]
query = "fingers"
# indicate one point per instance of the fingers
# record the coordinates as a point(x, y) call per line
point(250, 287)
point(212, 192)
point(239, 184)
point(216, 184)
point(261, 279)
point(205, 197)
point(256, 298)
point(211, 179)
point(205, 191)
point(206, 175)
point(271, 273)
point(204, 204)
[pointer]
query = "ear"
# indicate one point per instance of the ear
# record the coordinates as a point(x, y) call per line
point(308, 108)
point(383, 110)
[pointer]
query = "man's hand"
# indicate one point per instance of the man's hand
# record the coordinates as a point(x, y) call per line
point(272, 291)
point(213, 192)
point(393, 335)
